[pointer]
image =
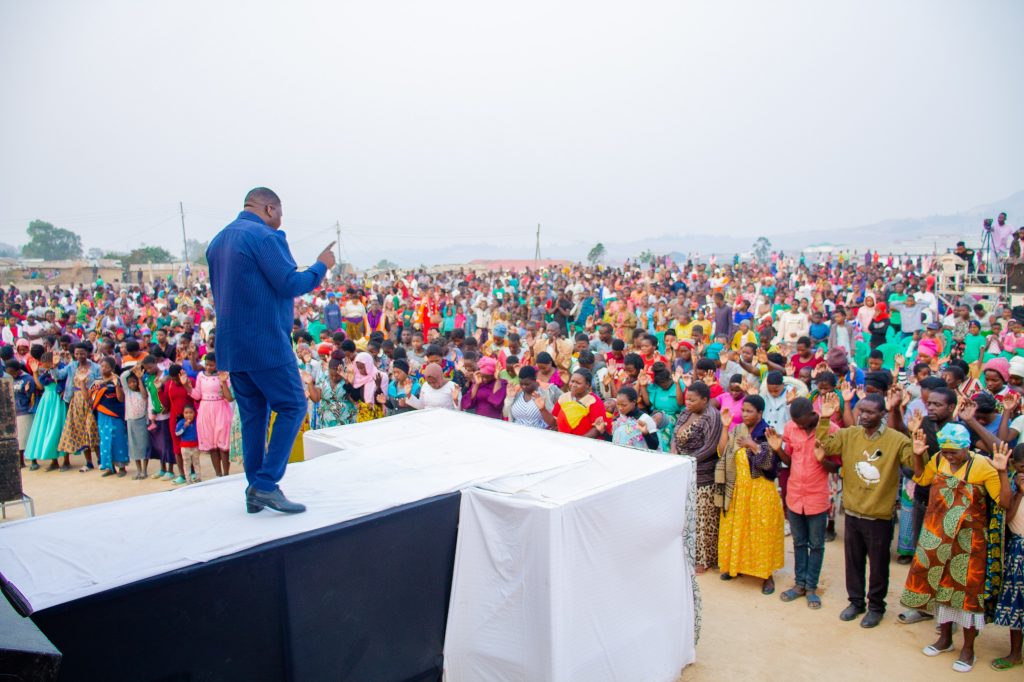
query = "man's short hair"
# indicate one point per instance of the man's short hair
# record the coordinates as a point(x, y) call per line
point(262, 195)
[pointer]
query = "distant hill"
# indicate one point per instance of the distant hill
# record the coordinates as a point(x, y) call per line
point(899, 235)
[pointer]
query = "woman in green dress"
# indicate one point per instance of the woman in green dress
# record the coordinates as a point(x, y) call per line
point(663, 396)
point(50, 415)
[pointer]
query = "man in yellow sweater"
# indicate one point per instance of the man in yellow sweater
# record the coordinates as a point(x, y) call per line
point(871, 457)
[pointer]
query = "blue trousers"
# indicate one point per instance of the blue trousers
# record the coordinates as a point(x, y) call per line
point(808, 534)
point(257, 393)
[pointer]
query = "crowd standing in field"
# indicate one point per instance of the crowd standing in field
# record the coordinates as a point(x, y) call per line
point(807, 393)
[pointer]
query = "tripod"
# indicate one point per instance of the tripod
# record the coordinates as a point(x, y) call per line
point(985, 253)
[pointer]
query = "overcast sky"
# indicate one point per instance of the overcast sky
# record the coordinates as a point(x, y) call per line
point(427, 122)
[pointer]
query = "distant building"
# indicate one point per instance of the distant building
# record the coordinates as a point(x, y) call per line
point(516, 265)
point(29, 271)
point(149, 272)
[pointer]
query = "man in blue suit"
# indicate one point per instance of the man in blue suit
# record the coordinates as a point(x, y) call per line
point(255, 282)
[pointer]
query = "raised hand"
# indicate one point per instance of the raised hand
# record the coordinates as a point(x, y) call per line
point(539, 401)
point(894, 397)
point(914, 423)
point(1001, 456)
point(829, 405)
point(847, 391)
point(774, 439)
point(966, 410)
point(726, 416)
point(920, 443)
point(791, 395)
point(749, 388)
point(687, 379)
point(1011, 403)
point(600, 425)
point(790, 369)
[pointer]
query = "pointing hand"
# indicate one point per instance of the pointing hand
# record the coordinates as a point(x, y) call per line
point(327, 256)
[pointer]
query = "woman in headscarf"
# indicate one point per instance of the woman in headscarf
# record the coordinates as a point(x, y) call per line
point(401, 386)
point(527, 404)
point(486, 394)
point(632, 428)
point(698, 430)
point(879, 327)
point(365, 387)
point(866, 313)
point(578, 410)
point(996, 374)
point(750, 529)
point(951, 574)
point(436, 392)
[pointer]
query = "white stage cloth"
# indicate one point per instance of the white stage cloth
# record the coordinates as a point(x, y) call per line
point(67, 555)
point(581, 576)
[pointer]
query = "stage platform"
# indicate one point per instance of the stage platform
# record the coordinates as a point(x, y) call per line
point(554, 532)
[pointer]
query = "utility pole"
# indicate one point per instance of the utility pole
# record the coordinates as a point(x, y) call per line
point(184, 240)
point(337, 241)
point(536, 251)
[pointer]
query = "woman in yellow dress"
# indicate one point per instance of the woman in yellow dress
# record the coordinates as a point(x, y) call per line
point(750, 535)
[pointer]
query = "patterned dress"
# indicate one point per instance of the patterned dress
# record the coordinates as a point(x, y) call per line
point(80, 430)
point(334, 408)
point(949, 574)
point(697, 436)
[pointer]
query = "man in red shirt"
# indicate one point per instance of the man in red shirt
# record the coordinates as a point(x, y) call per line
point(807, 496)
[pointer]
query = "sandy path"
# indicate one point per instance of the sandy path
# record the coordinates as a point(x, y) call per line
point(746, 635)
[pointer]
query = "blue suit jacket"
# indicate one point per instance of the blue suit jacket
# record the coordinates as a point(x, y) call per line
point(255, 282)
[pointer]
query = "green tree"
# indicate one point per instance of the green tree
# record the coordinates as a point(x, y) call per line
point(147, 254)
point(596, 253)
point(385, 264)
point(762, 249)
point(51, 243)
point(8, 251)
point(196, 251)
point(647, 256)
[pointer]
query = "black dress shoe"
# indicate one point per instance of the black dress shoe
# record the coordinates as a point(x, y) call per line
point(256, 500)
point(851, 612)
point(871, 619)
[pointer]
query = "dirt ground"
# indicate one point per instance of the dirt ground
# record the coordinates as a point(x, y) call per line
point(746, 635)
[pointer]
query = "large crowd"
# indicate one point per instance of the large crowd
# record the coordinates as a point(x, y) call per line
point(806, 392)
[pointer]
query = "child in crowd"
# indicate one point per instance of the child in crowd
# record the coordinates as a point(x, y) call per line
point(189, 438)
